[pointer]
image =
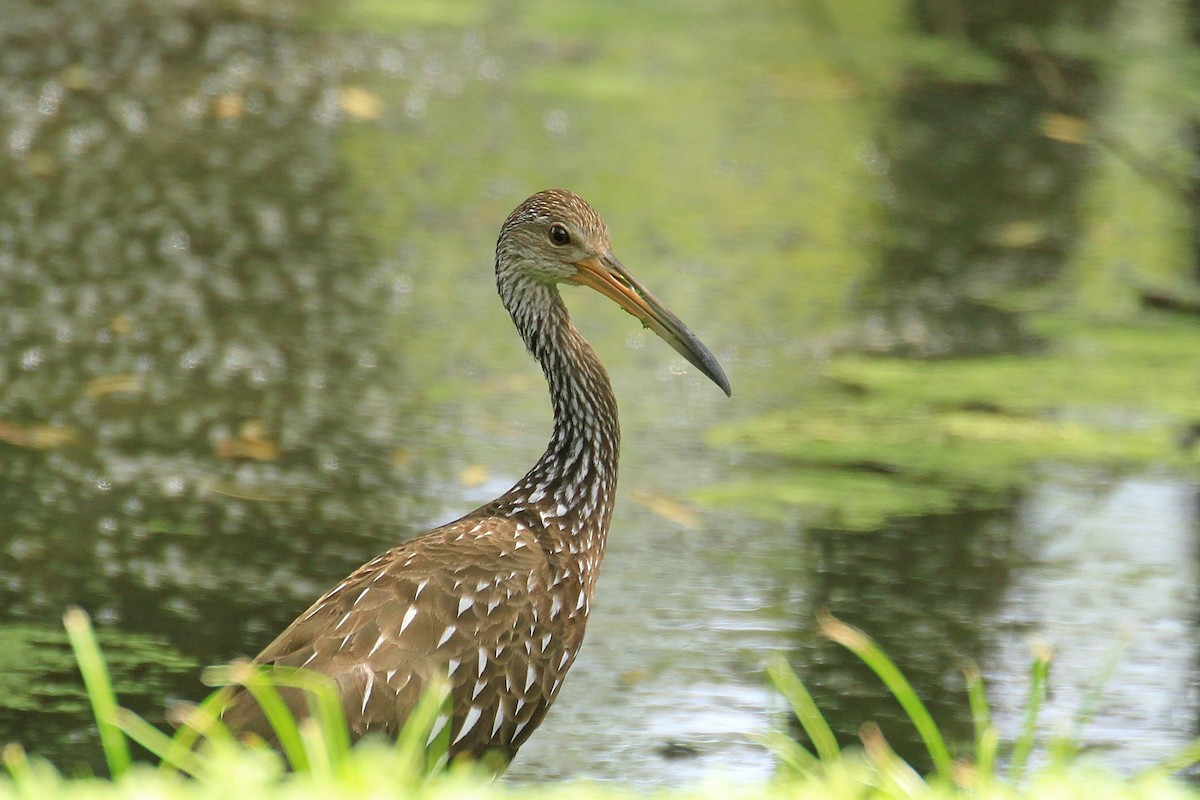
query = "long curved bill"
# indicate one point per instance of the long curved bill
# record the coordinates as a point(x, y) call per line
point(608, 277)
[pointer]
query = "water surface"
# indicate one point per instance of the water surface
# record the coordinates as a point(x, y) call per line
point(250, 339)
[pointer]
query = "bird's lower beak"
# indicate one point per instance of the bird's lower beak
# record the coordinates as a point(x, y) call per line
point(607, 276)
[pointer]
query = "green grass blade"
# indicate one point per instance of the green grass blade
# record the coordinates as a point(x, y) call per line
point(862, 646)
point(278, 716)
point(325, 709)
point(326, 706)
point(1039, 673)
point(320, 741)
point(99, 689)
point(986, 739)
point(787, 752)
point(895, 777)
point(17, 763)
point(424, 741)
point(316, 749)
point(1185, 758)
point(1064, 749)
point(157, 742)
point(196, 722)
point(805, 708)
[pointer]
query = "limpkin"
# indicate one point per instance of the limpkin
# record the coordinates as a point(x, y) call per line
point(497, 600)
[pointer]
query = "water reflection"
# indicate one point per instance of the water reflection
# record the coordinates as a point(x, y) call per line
point(984, 183)
point(927, 589)
point(188, 304)
point(1111, 588)
point(981, 188)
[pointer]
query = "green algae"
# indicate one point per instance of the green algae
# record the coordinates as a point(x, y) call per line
point(886, 437)
point(843, 499)
point(875, 437)
point(38, 670)
point(383, 16)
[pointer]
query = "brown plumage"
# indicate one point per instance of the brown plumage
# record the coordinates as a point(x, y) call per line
point(497, 600)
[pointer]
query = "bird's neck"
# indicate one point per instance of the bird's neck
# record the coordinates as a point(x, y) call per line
point(573, 485)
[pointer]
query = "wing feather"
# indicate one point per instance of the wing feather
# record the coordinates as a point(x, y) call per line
point(467, 601)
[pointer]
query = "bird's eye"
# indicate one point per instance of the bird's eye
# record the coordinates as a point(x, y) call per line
point(559, 234)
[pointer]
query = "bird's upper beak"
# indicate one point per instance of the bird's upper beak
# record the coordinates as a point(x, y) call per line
point(606, 275)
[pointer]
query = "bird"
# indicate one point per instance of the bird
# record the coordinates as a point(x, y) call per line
point(496, 601)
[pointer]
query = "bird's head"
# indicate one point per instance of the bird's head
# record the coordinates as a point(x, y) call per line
point(555, 237)
point(548, 235)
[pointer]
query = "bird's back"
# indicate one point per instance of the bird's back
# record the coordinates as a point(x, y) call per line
point(484, 601)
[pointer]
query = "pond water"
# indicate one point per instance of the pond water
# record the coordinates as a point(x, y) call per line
point(249, 338)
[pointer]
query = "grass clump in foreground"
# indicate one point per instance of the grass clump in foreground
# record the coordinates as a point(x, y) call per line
point(323, 764)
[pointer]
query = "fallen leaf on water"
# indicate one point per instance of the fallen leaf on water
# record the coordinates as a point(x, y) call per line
point(1020, 233)
point(251, 442)
point(229, 106)
point(37, 437)
point(162, 527)
point(667, 508)
point(121, 324)
point(633, 677)
point(40, 163)
point(113, 384)
point(472, 476)
point(229, 490)
point(400, 457)
point(76, 77)
point(512, 383)
point(1065, 128)
point(359, 103)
